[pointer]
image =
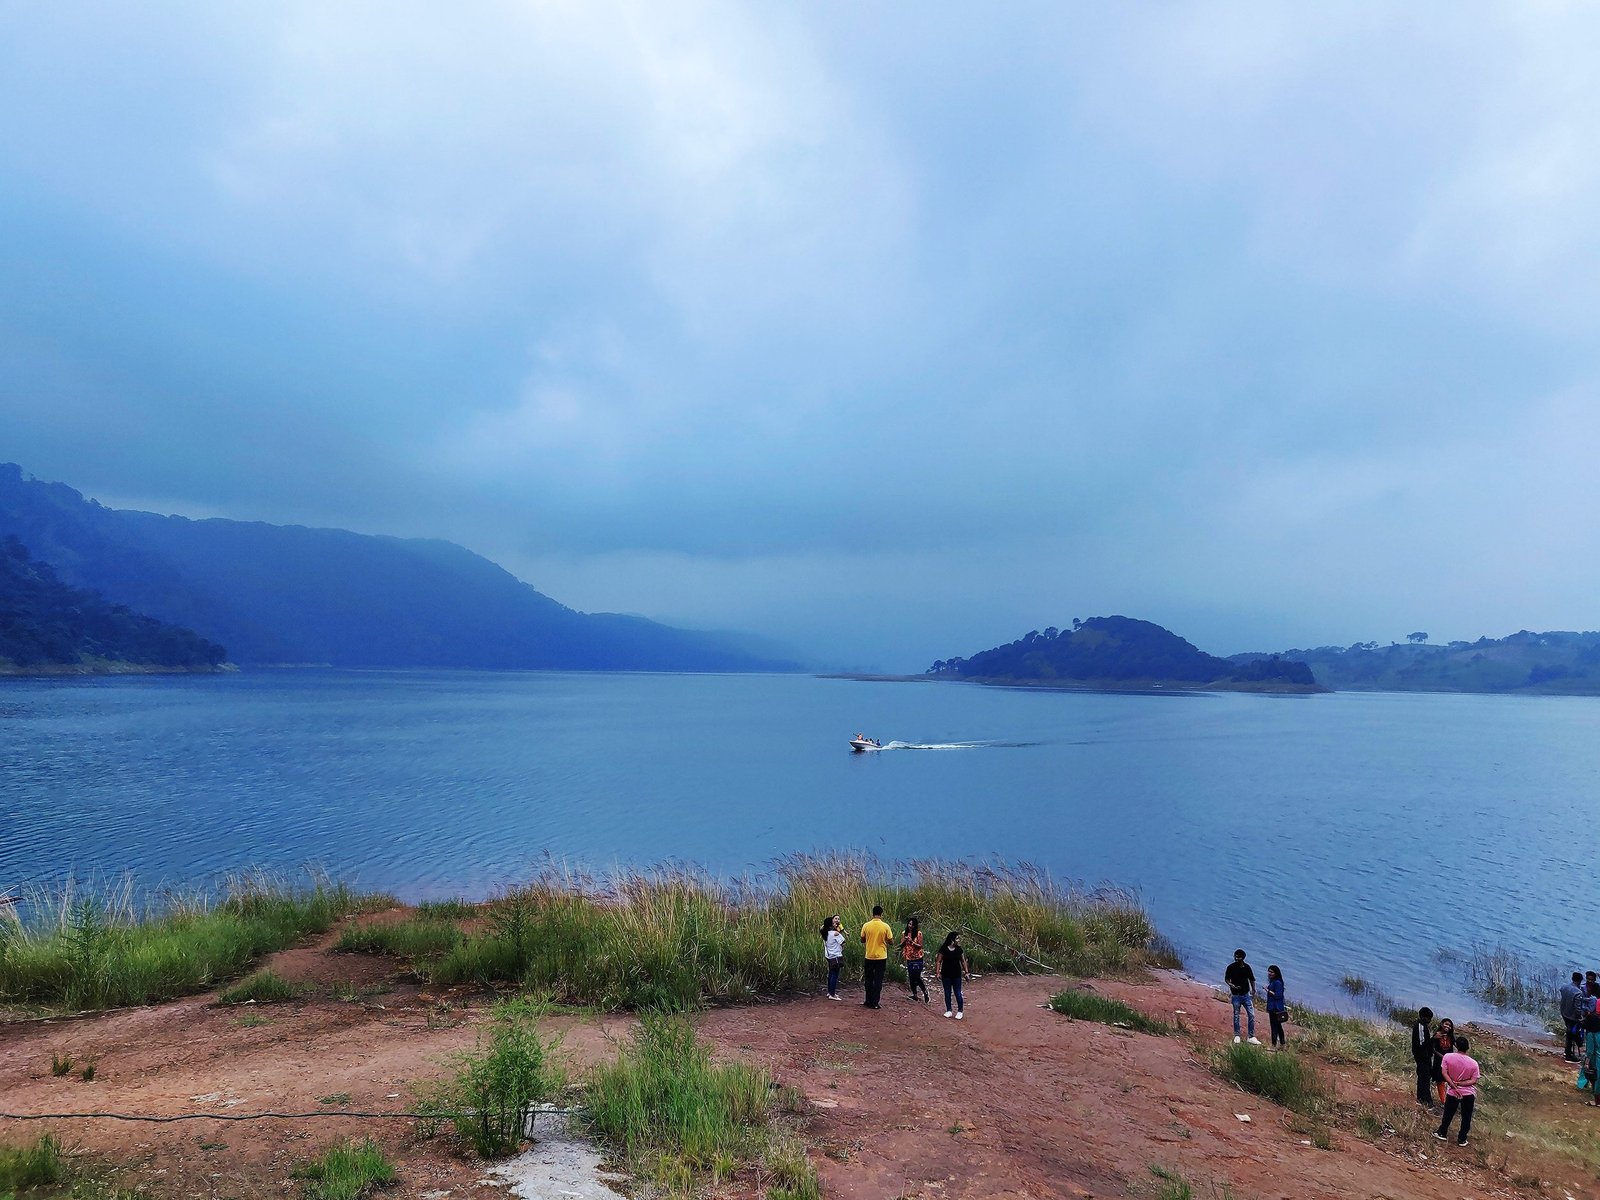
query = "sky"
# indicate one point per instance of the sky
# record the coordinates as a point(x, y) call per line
point(891, 331)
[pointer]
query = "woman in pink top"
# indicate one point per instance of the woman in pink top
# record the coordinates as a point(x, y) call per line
point(1460, 1071)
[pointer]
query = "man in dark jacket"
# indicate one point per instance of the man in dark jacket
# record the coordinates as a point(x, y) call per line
point(1422, 1053)
point(1572, 1015)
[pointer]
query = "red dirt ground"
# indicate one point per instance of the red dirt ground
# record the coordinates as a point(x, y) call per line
point(1015, 1101)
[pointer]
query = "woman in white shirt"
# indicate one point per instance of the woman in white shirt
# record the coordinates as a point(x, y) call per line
point(833, 952)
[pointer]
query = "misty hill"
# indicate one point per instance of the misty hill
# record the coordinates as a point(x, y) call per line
point(289, 594)
point(1554, 662)
point(1121, 652)
point(47, 626)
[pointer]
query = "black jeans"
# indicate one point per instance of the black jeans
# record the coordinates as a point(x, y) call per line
point(1451, 1103)
point(1424, 1081)
point(1276, 1019)
point(1574, 1042)
point(872, 973)
point(914, 977)
point(833, 975)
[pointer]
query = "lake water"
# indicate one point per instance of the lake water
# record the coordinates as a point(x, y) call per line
point(1348, 833)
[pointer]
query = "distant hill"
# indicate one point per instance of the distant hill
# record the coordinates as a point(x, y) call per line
point(287, 594)
point(1550, 663)
point(48, 627)
point(1121, 652)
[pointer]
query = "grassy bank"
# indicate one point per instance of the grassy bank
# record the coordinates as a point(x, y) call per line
point(79, 950)
point(675, 938)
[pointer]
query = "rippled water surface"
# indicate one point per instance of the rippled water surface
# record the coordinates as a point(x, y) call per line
point(1333, 834)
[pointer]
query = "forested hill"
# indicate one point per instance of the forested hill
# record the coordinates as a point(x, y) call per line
point(1121, 652)
point(46, 626)
point(1550, 663)
point(289, 594)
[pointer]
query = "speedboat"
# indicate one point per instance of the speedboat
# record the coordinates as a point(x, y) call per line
point(861, 743)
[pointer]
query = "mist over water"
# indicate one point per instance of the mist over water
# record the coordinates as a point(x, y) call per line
point(1341, 834)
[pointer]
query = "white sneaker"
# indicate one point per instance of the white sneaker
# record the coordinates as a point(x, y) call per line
point(948, 1013)
point(1236, 1039)
point(1253, 1041)
point(958, 1016)
point(833, 997)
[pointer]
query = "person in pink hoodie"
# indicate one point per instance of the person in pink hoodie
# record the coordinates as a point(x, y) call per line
point(1460, 1071)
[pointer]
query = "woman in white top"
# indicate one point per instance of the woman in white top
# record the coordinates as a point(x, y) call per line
point(833, 952)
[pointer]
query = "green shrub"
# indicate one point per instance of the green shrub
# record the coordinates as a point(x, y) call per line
point(347, 1172)
point(418, 939)
point(38, 1165)
point(1090, 1006)
point(264, 987)
point(496, 1090)
point(1284, 1078)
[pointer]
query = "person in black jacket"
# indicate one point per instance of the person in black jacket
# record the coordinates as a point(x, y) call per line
point(1422, 1053)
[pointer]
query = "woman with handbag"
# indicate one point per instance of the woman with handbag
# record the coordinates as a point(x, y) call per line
point(1277, 1006)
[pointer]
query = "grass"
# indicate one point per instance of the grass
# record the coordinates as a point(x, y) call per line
point(1506, 979)
point(23, 1168)
point(348, 1171)
point(78, 950)
point(680, 1120)
point(264, 987)
point(1284, 1078)
point(675, 938)
point(1170, 1185)
point(455, 909)
point(1090, 1006)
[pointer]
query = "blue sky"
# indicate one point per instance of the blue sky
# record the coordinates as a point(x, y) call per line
point(889, 330)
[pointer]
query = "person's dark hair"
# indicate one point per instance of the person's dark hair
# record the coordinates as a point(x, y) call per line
point(913, 925)
point(1577, 977)
point(827, 926)
point(950, 939)
point(1424, 1013)
point(1238, 954)
point(877, 910)
point(1588, 974)
point(1273, 970)
point(1591, 1022)
point(1462, 1044)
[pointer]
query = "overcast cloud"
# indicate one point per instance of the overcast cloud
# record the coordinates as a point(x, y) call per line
point(890, 330)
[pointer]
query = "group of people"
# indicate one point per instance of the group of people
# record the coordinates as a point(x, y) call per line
point(950, 963)
point(1446, 1073)
point(1580, 1013)
point(1240, 977)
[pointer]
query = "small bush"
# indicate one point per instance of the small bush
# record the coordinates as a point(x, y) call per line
point(1090, 1006)
point(496, 1090)
point(455, 909)
point(1284, 1078)
point(60, 1064)
point(38, 1165)
point(347, 1172)
point(264, 987)
point(422, 939)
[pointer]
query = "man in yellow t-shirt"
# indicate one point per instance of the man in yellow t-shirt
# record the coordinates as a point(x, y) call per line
point(876, 936)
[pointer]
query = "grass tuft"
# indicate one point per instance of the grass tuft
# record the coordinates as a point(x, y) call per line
point(423, 938)
point(1090, 1006)
point(1284, 1078)
point(347, 1172)
point(264, 987)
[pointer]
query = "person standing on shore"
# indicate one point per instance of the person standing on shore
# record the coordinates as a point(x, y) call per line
point(1460, 1073)
point(833, 953)
point(1422, 1053)
point(1444, 1042)
point(1572, 1015)
point(1277, 1006)
point(952, 970)
point(876, 936)
point(1591, 1047)
point(1241, 982)
point(912, 953)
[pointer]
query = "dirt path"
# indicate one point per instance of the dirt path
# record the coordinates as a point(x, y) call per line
point(1015, 1101)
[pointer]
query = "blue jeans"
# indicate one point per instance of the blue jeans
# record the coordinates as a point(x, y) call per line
point(1249, 1007)
point(833, 975)
point(953, 986)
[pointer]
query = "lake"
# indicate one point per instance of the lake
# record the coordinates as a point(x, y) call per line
point(1340, 834)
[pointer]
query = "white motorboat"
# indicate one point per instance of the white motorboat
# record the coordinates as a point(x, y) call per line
point(861, 743)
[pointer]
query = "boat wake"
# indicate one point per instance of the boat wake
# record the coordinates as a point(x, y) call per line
point(983, 745)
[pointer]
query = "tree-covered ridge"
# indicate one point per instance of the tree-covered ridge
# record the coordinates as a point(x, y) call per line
point(1553, 662)
point(1117, 650)
point(45, 623)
